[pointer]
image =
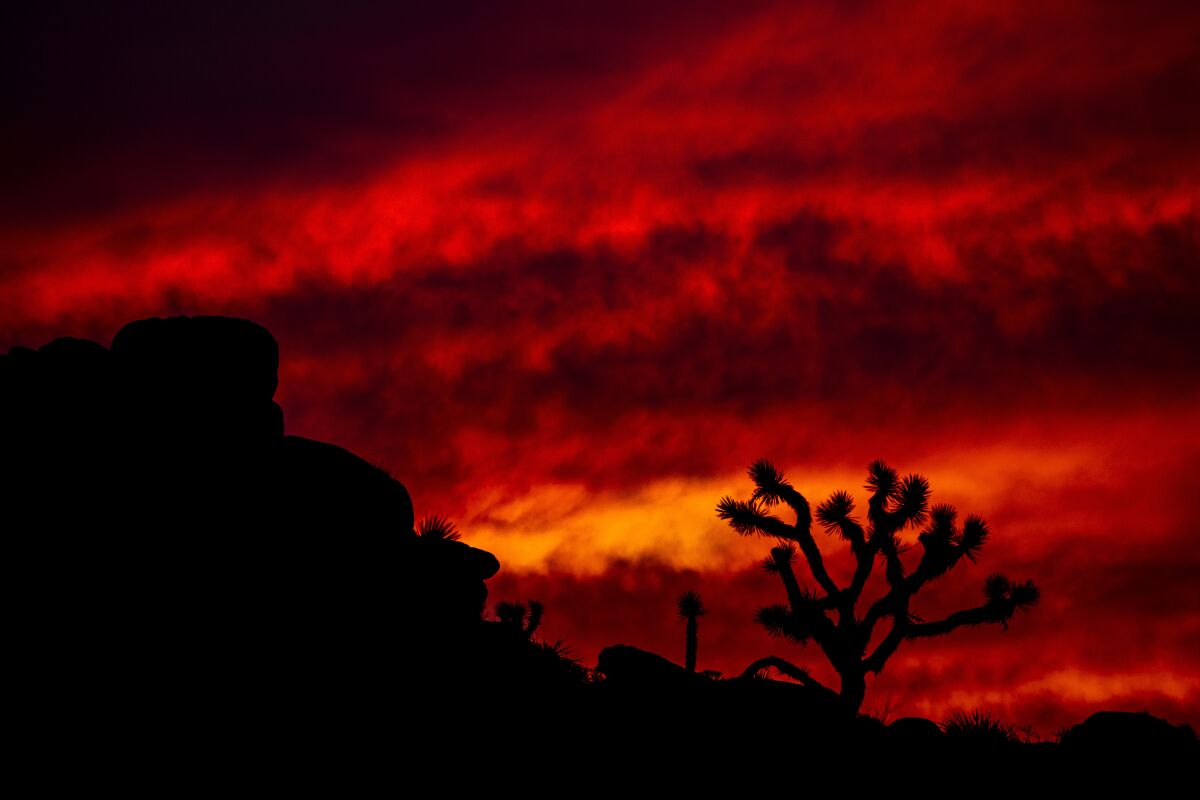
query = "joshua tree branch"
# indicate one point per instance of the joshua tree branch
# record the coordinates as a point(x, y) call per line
point(1004, 599)
point(990, 613)
point(919, 577)
point(773, 488)
point(894, 567)
point(821, 627)
point(795, 596)
point(810, 610)
point(864, 554)
point(799, 504)
point(930, 567)
point(816, 564)
point(774, 526)
point(885, 649)
point(851, 532)
point(802, 535)
point(884, 606)
point(798, 674)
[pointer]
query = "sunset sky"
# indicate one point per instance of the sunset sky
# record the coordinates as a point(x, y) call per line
point(566, 273)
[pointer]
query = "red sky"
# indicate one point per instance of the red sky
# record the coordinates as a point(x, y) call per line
point(567, 273)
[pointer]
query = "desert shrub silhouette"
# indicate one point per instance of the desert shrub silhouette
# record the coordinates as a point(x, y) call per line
point(531, 662)
point(980, 727)
point(895, 504)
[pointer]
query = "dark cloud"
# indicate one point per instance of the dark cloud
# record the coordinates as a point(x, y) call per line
point(110, 106)
point(593, 344)
point(1135, 131)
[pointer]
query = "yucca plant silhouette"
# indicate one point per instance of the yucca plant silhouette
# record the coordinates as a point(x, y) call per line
point(435, 527)
point(690, 608)
point(895, 504)
point(980, 727)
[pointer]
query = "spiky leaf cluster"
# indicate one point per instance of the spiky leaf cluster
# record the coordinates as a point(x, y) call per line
point(781, 621)
point(747, 517)
point(435, 527)
point(836, 515)
point(944, 543)
point(1000, 591)
point(689, 605)
point(770, 485)
point(781, 557)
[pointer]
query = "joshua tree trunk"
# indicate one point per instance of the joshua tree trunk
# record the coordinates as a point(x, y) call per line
point(854, 689)
point(690, 608)
point(692, 643)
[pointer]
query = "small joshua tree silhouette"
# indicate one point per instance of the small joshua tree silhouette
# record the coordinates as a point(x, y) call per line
point(690, 607)
point(518, 616)
point(895, 504)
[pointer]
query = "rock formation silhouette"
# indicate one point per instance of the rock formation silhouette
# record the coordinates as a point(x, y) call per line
point(166, 539)
point(1126, 734)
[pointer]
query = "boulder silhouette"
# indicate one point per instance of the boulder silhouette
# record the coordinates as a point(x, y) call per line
point(1126, 733)
point(628, 664)
point(317, 485)
point(200, 358)
point(163, 532)
point(915, 729)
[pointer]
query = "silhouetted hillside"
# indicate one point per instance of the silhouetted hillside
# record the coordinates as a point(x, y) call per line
point(162, 531)
point(181, 570)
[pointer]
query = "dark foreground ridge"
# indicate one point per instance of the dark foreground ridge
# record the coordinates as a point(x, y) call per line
point(181, 569)
point(166, 533)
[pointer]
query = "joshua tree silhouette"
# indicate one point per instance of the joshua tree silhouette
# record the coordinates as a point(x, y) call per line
point(690, 607)
point(526, 620)
point(895, 504)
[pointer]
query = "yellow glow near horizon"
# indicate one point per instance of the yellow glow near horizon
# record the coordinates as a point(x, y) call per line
point(566, 528)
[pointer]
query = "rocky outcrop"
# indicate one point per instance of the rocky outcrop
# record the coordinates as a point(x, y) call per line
point(915, 730)
point(156, 514)
point(632, 665)
point(1127, 733)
